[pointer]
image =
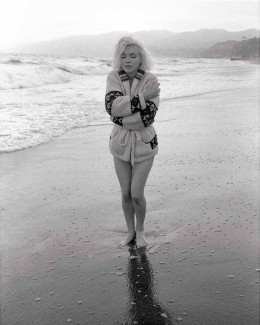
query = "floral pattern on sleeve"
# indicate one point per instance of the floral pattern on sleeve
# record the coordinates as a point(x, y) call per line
point(135, 104)
point(148, 114)
point(110, 97)
point(118, 120)
point(154, 142)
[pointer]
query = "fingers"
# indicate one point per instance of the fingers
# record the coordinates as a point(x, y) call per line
point(154, 86)
point(156, 90)
point(152, 89)
point(153, 83)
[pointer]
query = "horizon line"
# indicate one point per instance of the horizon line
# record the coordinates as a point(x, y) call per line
point(13, 47)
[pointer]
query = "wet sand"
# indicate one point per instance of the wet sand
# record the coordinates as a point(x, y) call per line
point(61, 218)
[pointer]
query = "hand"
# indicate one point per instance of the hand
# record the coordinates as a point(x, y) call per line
point(152, 90)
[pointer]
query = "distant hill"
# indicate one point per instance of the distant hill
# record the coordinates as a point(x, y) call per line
point(192, 44)
point(246, 49)
point(159, 43)
point(79, 45)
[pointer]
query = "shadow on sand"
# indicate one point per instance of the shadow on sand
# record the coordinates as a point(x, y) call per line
point(143, 306)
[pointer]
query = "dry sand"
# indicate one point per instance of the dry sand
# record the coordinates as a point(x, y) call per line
point(61, 217)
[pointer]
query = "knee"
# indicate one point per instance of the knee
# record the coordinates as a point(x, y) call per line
point(126, 197)
point(137, 198)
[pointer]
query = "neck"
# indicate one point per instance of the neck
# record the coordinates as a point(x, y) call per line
point(132, 75)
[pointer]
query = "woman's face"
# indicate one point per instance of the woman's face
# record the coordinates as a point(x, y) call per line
point(131, 60)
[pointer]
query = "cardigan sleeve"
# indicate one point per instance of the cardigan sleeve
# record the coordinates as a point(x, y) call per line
point(117, 104)
point(131, 122)
point(139, 120)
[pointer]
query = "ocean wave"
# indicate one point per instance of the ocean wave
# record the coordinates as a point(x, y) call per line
point(195, 94)
point(169, 73)
point(14, 61)
point(30, 77)
point(107, 62)
point(17, 74)
point(85, 70)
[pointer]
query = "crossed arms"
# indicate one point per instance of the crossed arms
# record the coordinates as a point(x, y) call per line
point(132, 113)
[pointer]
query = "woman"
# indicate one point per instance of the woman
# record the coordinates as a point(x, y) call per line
point(132, 98)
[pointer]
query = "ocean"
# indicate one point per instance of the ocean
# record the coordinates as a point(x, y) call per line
point(42, 97)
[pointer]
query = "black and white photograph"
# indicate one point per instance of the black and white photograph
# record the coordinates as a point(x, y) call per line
point(129, 162)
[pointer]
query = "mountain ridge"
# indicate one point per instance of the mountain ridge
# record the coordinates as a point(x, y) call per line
point(158, 42)
point(245, 49)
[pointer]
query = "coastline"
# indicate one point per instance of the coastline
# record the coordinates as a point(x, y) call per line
point(254, 60)
point(61, 217)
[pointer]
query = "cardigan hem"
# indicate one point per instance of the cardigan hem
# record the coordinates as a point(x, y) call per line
point(136, 159)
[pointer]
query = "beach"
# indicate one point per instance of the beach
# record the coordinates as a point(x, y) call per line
point(61, 219)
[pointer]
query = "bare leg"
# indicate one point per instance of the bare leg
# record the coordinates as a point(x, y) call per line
point(140, 173)
point(124, 174)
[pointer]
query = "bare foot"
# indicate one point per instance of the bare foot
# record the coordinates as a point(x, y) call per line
point(140, 239)
point(126, 240)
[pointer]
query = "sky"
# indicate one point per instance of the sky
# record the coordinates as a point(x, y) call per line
point(25, 21)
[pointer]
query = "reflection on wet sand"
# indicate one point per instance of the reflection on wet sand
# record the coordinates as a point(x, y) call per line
point(143, 306)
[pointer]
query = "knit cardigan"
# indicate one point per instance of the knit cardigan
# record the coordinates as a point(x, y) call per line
point(133, 137)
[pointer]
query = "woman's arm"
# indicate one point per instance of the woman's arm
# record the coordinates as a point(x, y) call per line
point(116, 103)
point(139, 120)
point(128, 122)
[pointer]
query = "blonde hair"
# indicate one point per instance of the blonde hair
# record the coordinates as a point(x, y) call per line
point(146, 64)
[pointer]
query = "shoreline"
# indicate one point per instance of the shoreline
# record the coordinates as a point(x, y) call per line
point(61, 217)
point(252, 60)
